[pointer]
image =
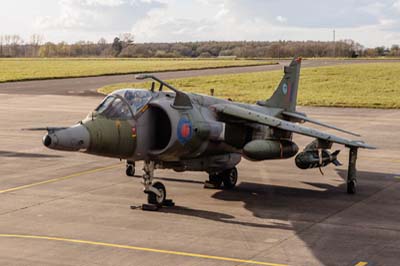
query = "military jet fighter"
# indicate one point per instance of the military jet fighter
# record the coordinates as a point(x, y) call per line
point(172, 129)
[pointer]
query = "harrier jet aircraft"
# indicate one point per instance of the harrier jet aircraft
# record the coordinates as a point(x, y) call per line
point(190, 132)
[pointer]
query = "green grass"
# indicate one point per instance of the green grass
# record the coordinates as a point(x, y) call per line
point(374, 85)
point(31, 69)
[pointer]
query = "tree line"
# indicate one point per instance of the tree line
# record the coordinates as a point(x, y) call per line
point(124, 46)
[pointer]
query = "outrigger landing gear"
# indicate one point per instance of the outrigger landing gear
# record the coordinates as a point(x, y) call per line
point(228, 177)
point(156, 193)
point(130, 168)
point(352, 171)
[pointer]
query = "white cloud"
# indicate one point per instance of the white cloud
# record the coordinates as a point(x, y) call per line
point(281, 19)
point(371, 22)
point(396, 6)
point(97, 15)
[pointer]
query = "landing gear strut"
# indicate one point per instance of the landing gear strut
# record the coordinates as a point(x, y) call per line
point(352, 171)
point(227, 177)
point(156, 193)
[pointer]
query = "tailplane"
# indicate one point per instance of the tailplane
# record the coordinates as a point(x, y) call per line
point(285, 96)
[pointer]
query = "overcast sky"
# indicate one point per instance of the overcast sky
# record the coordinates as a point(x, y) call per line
point(370, 22)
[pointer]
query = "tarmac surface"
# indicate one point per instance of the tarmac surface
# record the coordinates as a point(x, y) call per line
point(60, 208)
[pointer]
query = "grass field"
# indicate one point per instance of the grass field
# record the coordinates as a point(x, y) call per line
point(374, 85)
point(31, 69)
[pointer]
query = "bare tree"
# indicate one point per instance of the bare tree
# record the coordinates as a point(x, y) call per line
point(16, 42)
point(127, 38)
point(1, 45)
point(35, 41)
point(7, 41)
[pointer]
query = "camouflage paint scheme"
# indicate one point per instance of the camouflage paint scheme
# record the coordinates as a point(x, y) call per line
point(192, 132)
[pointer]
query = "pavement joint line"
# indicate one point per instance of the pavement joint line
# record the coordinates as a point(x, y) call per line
point(169, 252)
point(59, 178)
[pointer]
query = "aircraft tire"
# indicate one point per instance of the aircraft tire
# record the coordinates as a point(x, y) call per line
point(352, 187)
point(152, 198)
point(230, 177)
point(130, 170)
point(216, 180)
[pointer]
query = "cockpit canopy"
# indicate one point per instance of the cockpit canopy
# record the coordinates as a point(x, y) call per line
point(124, 104)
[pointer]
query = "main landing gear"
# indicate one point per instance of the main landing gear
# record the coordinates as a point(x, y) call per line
point(227, 177)
point(156, 192)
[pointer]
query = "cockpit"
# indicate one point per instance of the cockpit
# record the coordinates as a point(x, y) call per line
point(124, 104)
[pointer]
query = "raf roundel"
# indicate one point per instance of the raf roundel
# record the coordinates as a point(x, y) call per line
point(184, 130)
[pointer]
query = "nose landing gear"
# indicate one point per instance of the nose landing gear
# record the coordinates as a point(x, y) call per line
point(156, 193)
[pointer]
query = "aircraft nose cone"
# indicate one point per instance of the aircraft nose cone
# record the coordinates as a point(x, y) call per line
point(74, 138)
point(47, 140)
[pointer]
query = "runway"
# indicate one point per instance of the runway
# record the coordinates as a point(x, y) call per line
point(74, 209)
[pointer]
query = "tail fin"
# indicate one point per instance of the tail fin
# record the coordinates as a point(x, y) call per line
point(285, 96)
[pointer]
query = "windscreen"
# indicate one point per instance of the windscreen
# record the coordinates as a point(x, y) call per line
point(114, 108)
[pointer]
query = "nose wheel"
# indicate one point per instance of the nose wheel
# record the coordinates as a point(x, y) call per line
point(157, 198)
point(156, 192)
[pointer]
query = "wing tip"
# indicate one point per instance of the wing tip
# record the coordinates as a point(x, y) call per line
point(361, 144)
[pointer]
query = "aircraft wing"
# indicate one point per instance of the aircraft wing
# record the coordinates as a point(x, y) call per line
point(314, 121)
point(253, 116)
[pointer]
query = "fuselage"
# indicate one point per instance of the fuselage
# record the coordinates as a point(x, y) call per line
point(137, 124)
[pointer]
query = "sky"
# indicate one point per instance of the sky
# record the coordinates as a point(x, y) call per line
point(369, 22)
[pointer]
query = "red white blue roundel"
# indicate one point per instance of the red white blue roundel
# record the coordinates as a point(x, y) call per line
point(184, 130)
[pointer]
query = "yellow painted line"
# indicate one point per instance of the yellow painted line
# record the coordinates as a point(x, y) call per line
point(361, 263)
point(169, 252)
point(59, 178)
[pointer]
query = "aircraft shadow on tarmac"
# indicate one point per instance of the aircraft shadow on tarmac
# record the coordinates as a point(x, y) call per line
point(281, 202)
point(26, 155)
point(299, 208)
point(221, 217)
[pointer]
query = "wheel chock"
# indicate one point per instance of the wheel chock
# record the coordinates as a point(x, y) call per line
point(150, 207)
point(168, 203)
